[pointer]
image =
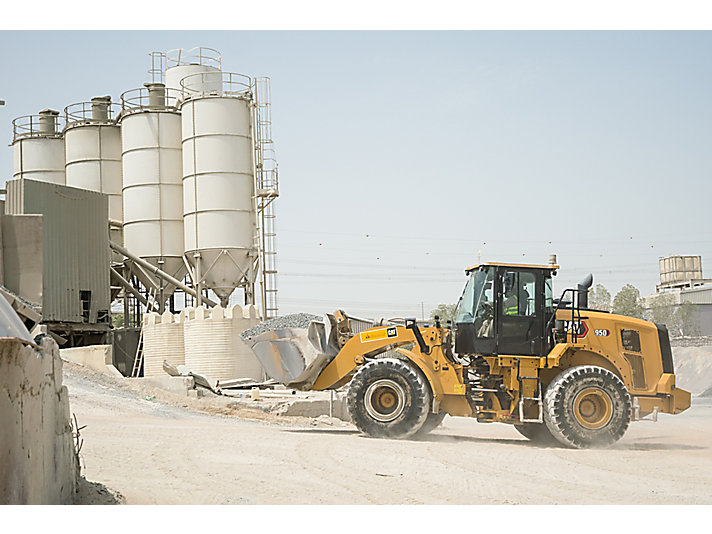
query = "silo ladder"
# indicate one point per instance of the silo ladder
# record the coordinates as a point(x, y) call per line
point(138, 359)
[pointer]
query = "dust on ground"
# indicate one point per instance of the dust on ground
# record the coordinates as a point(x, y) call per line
point(173, 449)
point(85, 379)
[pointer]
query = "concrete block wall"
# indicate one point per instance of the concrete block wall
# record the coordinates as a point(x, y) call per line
point(162, 340)
point(38, 464)
point(206, 340)
point(213, 346)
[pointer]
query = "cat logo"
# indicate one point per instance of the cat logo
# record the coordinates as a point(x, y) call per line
point(581, 328)
point(378, 334)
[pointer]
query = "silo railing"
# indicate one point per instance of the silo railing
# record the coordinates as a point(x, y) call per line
point(158, 67)
point(41, 125)
point(94, 112)
point(225, 84)
point(200, 55)
point(150, 99)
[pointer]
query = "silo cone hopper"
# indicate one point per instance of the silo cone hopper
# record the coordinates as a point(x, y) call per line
point(171, 265)
point(223, 270)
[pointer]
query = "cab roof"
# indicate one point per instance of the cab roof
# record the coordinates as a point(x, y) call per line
point(551, 267)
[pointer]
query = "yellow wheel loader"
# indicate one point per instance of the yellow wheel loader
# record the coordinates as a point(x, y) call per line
point(560, 372)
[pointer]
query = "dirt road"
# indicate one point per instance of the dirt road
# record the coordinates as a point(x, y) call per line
point(156, 453)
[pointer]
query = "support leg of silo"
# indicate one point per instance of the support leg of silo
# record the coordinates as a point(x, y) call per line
point(198, 284)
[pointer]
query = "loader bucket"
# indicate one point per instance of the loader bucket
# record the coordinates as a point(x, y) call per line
point(294, 356)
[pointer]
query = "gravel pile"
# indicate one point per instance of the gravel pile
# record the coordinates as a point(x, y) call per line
point(294, 320)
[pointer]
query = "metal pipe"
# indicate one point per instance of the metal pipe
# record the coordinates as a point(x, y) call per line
point(155, 270)
point(142, 275)
point(122, 281)
point(189, 269)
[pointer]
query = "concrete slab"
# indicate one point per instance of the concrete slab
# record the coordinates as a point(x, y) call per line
point(97, 357)
point(314, 407)
point(174, 384)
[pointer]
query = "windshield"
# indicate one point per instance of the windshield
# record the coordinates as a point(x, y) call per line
point(479, 280)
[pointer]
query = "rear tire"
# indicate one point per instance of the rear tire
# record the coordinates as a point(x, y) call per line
point(587, 406)
point(433, 421)
point(537, 433)
point(389, 398)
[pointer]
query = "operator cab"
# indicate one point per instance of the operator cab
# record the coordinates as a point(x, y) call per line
point(504, 309)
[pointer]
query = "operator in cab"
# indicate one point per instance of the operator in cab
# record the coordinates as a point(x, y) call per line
point(511, 302)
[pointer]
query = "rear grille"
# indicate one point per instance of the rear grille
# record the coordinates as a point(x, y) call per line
point(665, 349)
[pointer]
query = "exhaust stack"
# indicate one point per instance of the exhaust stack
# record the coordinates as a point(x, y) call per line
point(582, 291)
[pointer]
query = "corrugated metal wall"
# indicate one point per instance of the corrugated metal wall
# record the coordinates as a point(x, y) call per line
point(75, 246)
point(697, 295)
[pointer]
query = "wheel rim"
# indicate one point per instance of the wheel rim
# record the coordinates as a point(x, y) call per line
point(384, 400)
point(593, 408)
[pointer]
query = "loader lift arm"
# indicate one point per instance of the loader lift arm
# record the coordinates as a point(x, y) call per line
point(358, 349)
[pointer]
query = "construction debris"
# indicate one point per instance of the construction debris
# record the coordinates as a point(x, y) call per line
point(246, 383)
point(294, 320)
point(200, 380)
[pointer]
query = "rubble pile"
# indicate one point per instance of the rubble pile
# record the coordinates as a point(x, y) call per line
point(294, 320)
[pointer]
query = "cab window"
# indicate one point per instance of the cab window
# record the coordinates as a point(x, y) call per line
point(548, 295)
point(519, 293)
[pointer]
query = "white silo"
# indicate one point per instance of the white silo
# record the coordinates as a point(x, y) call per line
point(181, 63)
point(152, 184)
point(38, 147)
point(218, 184)
point(92, 143)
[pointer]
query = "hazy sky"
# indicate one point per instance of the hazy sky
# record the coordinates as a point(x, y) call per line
point(403, 154)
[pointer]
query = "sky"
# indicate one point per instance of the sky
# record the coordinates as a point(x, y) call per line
point(405, 156)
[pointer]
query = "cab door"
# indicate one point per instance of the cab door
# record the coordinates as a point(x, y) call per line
point(520, 311)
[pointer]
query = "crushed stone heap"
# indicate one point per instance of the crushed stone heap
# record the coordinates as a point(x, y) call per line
point(294, 320)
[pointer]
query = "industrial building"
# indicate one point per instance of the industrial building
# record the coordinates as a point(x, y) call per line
point(682, 279)
point(158, 201)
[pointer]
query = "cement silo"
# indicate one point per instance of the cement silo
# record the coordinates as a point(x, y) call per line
point(92, 143)
point(152, 185)
point(38, 147)
point(181, 63)
point(220, 230)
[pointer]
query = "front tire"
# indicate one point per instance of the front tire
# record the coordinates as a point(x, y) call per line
point(389, 398)
point(433, 421)
point(587, 406)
